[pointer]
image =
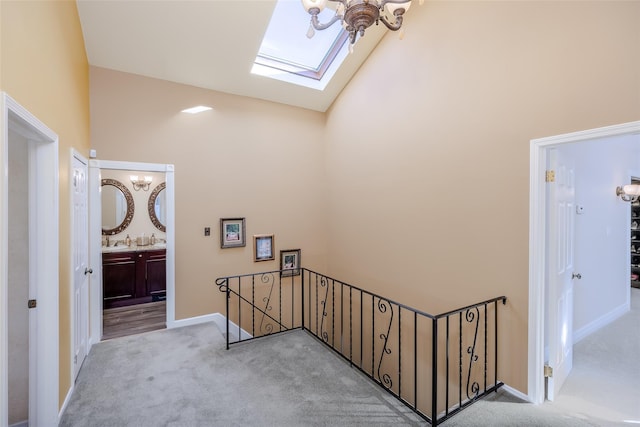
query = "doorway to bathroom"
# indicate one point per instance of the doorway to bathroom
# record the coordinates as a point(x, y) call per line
point(132, 217)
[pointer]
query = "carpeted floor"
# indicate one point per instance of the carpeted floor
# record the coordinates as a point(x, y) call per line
point(184, 377)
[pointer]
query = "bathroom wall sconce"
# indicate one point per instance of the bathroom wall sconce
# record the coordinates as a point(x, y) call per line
point(629, 193)
point(141, 183)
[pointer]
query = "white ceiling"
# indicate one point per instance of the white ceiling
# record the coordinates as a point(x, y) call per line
point(207, 43)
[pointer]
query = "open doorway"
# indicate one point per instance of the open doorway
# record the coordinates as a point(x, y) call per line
point(596, 203)
point(132, 241)
point(133, 252)
point(29, 250)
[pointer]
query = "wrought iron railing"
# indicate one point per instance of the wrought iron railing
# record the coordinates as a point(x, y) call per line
point(435, 364)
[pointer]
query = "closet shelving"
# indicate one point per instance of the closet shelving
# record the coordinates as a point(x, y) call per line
point(635, 242)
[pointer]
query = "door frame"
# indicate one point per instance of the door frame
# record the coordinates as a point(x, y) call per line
point(537, 248)
point(95, 237)
point(43, 263)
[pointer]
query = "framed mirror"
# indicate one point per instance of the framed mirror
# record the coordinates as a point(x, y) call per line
point(117, 206)
point(157, 207)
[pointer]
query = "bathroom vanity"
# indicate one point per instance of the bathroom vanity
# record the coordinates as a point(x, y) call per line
point(133, 275)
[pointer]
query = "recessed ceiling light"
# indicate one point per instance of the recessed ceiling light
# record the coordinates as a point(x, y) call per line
point(196, 110)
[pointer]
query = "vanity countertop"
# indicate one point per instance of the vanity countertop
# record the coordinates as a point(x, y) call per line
point(133, 248)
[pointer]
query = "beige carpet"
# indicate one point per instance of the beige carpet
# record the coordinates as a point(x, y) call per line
point(184, 377)
point(603, 384)
point(602, 389)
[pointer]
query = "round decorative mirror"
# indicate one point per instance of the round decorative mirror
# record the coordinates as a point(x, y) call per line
point(157, 207)
point(117, 206)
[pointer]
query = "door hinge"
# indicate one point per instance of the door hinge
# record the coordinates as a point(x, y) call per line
point(550, 176)
point(75, 359)
point(32, 303)
point(548, 371)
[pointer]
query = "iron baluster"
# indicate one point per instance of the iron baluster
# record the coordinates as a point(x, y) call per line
point(415, 361)
point(434, 374)
point(239, 309)
point(400, 353)
point(351, 326)
point(485, 349)
point(253, 305)
point(384, 376)
point(341, 318)
point(333, 313)
point(460, 361)
point(475, 387)
point(323, 332)
point(446, 394)
point(361, 329)
point(382, 307)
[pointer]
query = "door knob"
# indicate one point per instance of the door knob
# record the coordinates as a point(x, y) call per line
point(576, 276)
point(88, 271)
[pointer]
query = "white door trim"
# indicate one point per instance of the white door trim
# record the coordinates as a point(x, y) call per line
point(537, 233)
point(43, 269)
point(95, 239)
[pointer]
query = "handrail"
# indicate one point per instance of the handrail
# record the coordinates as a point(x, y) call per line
point(404, 350)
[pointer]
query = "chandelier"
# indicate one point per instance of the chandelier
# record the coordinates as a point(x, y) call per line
point(358, 15)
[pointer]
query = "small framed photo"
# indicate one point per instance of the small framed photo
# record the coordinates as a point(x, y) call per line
point(232, 232)
point(290, 262)
point(263, 247)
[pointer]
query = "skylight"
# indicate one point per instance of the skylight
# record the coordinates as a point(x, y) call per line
point(287, 54)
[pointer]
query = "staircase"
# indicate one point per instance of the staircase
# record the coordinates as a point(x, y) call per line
point(436, 365)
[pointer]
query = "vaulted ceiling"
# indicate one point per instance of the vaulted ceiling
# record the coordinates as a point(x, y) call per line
point(209, 43)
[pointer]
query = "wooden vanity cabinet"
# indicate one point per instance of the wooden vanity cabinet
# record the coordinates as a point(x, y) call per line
point(133, 277)
point(118, 278)
point(156, 272)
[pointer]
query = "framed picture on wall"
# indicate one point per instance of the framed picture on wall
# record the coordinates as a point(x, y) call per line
point(232, 233)
point(290, 262)
point(263, 247)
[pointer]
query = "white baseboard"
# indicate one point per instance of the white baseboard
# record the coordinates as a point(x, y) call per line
point(218, 318)
point(192, 321)
point(516, 393)
point(600, 322)
point(21, 424)
point(221, 322)
point(65, 403)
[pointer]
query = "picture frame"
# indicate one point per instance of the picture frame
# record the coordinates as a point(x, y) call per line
point(232, 233)
point(289, 262)
point(263, 247)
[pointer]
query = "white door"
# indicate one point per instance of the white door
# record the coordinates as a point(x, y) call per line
point(81, 270)
point(560, 269)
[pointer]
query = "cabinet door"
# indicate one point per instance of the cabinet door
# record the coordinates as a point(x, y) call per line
point(118, 278)
point(156, 273)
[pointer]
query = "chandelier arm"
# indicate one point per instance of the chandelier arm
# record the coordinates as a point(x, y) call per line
point(395, 26)
point(316, 22)
point(384, 2)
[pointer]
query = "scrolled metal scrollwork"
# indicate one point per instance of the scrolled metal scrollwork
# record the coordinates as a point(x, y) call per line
point(267, 279)
point(471, 316)
point(324, 283)
point(383, 306)
point(222, 284)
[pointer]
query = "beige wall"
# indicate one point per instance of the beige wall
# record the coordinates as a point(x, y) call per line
point(246, 158)
point(45, 69)
point(428, 147)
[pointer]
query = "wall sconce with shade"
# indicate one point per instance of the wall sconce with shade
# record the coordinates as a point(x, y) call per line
point(141, 183)
point(629, 193)
point(358, 15)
